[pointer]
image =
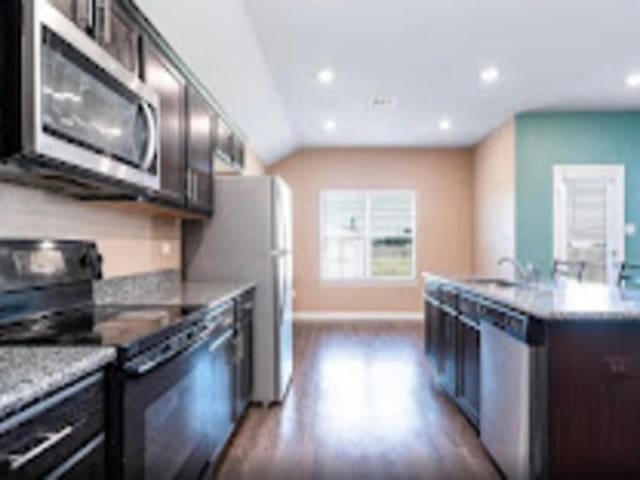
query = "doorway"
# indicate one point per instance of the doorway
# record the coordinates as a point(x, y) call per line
point(589, 206)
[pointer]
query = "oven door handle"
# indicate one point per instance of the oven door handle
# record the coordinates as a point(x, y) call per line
point(216, 344)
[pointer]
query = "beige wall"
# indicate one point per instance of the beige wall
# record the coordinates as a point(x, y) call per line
point(442, 180)
point(130, 242)
point(494, 200)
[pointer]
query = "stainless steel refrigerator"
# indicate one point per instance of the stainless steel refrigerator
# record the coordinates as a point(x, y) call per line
point(250, 238)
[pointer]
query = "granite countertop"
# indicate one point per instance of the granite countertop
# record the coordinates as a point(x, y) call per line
point(28, 374)
point(191, 294)
point(569, 300)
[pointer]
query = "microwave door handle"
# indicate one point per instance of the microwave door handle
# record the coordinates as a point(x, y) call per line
point(150, 151)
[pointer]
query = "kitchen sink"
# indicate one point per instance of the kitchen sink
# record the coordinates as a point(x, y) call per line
point(497, 282)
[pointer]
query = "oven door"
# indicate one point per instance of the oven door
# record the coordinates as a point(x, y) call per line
point(179, 415)
point(81, 107)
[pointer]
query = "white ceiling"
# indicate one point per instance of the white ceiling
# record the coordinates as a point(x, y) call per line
point(260, 59)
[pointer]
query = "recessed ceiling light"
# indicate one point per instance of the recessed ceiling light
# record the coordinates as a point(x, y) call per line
point(490, 75)
point(329, 126)
point(326, 76)
point(445, 124)
point(633, 80)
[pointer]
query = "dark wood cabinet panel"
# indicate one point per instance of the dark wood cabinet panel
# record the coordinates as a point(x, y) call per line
point(449, 352)
point(170, 86)
point(224, 141)
point(78, 11)
point(200, 150)
point(90, 466)
point(594, 388)
point(122, 40)
point(237, 152)
point(453, 345)
point(435, 340)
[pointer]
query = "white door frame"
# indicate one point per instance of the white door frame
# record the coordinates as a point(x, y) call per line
point(615, 175)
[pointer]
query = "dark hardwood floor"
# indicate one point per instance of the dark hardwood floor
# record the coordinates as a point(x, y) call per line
point(361, 405)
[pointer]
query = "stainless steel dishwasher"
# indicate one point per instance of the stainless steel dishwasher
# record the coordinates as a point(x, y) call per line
point(512, 425)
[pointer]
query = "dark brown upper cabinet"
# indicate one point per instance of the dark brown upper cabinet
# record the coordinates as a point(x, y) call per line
point(80, 12)
point(200, 152)
point(109, 25)
point(224, 144)
point(122, 39)
point(237, 152)
point(170, 85)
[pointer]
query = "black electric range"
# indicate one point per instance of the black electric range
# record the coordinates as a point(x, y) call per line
point(174, 372)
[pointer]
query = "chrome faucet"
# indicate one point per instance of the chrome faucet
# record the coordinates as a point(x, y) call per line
point(527, 273)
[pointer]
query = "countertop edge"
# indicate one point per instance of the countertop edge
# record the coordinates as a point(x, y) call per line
point(545, 315)
point(44, 383)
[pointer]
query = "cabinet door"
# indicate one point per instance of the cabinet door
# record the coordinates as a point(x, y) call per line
point(199, 152)
point(224, 141)
point(160, 75)
point(122, 39)
point(79, 12)
point(449, 363)
point(237, 152)
point(469, 370)
point(594, 387)
point(428, 327)
point(91, 464)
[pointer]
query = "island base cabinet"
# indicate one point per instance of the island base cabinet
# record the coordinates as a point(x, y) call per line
point(453, 346)
point(594, 398)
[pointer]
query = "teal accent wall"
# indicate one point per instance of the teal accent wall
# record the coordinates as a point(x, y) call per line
point(546, 139)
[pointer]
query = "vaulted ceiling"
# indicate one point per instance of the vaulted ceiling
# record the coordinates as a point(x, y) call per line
point(420, 58)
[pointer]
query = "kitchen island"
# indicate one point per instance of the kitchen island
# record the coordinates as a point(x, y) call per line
point(548, 373)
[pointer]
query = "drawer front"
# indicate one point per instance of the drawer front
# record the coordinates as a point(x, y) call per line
point(36, 441)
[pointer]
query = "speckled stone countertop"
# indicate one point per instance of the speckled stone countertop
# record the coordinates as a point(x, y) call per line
point(192, 294)
point(28, 374)
point(569, 300)
point(165, 289)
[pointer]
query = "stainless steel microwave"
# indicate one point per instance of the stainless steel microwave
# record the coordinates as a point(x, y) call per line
point(78, 107)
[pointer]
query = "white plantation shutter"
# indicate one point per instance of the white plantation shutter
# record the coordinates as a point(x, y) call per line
point(587, 225)
point(367, 234)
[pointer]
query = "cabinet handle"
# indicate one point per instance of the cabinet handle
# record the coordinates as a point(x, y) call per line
point(17, 461)
point(189, 184)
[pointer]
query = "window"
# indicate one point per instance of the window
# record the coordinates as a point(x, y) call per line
point(367, 235)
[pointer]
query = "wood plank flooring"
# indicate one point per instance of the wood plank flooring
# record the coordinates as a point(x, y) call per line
point(361, 405)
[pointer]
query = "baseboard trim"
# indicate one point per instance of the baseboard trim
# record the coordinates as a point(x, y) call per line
point(356, 316)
